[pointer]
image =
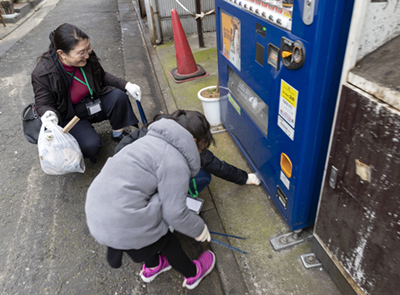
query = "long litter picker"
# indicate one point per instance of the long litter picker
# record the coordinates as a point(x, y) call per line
point(226, 245)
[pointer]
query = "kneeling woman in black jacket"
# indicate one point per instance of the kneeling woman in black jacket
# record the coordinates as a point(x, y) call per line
point(69, 80)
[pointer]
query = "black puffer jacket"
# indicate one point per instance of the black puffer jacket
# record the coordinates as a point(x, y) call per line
point(51, 91)
point(209, 162)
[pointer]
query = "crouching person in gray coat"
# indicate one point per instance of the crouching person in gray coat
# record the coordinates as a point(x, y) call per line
point(142, 190)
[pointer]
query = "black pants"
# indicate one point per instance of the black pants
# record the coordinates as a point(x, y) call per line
point(168, 245)
point(116, 108)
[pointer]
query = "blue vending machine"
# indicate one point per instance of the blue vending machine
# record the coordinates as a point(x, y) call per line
point(279, 66)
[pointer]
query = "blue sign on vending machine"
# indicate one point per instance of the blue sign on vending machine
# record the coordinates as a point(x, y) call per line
point(279, 66)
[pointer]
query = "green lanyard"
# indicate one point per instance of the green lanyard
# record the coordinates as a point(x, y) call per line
point(195, 189)
point(86, 84)
point(84, 76)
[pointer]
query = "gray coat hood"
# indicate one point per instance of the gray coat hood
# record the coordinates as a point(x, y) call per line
point(142, 190)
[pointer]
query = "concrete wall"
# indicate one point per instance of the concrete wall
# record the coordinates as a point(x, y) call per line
point(381, 24)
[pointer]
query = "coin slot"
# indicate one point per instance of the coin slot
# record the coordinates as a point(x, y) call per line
point(297, 54)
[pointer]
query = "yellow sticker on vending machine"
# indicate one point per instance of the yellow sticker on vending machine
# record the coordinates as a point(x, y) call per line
point(288, 103)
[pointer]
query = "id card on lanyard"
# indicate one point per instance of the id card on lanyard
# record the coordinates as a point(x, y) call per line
point(93, 107)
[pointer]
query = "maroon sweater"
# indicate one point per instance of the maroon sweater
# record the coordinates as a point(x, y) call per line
point(77, 89)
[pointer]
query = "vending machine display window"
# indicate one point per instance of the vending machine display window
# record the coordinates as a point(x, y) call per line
point(254, 106)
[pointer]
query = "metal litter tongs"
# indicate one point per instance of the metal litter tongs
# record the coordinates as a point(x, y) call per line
point(226, 245)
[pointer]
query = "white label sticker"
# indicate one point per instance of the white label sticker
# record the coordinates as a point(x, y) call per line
point(286, 128)
point(95, 109)
point(288, 103)
point(285, 180)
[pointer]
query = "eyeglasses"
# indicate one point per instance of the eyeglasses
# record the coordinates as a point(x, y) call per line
point(82, 53)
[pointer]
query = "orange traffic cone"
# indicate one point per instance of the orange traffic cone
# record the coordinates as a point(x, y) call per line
point(186, 69)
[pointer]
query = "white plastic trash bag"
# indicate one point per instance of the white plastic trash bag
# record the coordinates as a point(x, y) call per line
point(59, 152)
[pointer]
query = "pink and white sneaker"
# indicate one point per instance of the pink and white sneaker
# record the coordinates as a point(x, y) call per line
point(205, 264)
point(148, 275)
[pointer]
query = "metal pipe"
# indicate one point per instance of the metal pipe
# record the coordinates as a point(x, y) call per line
point(156, 18)
point(150, 21)
point(199, 24)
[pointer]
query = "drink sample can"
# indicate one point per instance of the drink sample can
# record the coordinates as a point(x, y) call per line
point(288, 4)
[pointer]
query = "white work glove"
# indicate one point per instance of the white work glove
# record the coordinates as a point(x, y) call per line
point(252, 179)
point(134, 90)
point(205, 235)
point(49, 116)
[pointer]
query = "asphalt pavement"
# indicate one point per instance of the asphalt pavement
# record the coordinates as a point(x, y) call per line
point(45, 246)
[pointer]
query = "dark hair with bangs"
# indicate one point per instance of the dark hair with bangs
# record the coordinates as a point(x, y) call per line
point(66, 37)
point(197, 125)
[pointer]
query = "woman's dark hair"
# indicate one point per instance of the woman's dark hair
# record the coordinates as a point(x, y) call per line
point(65, 37)
point(197, 125)
point(156, 118)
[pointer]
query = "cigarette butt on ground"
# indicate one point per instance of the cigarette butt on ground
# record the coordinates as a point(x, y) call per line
point(70, 124)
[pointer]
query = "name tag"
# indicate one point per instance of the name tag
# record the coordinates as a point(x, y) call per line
point(93, 107)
